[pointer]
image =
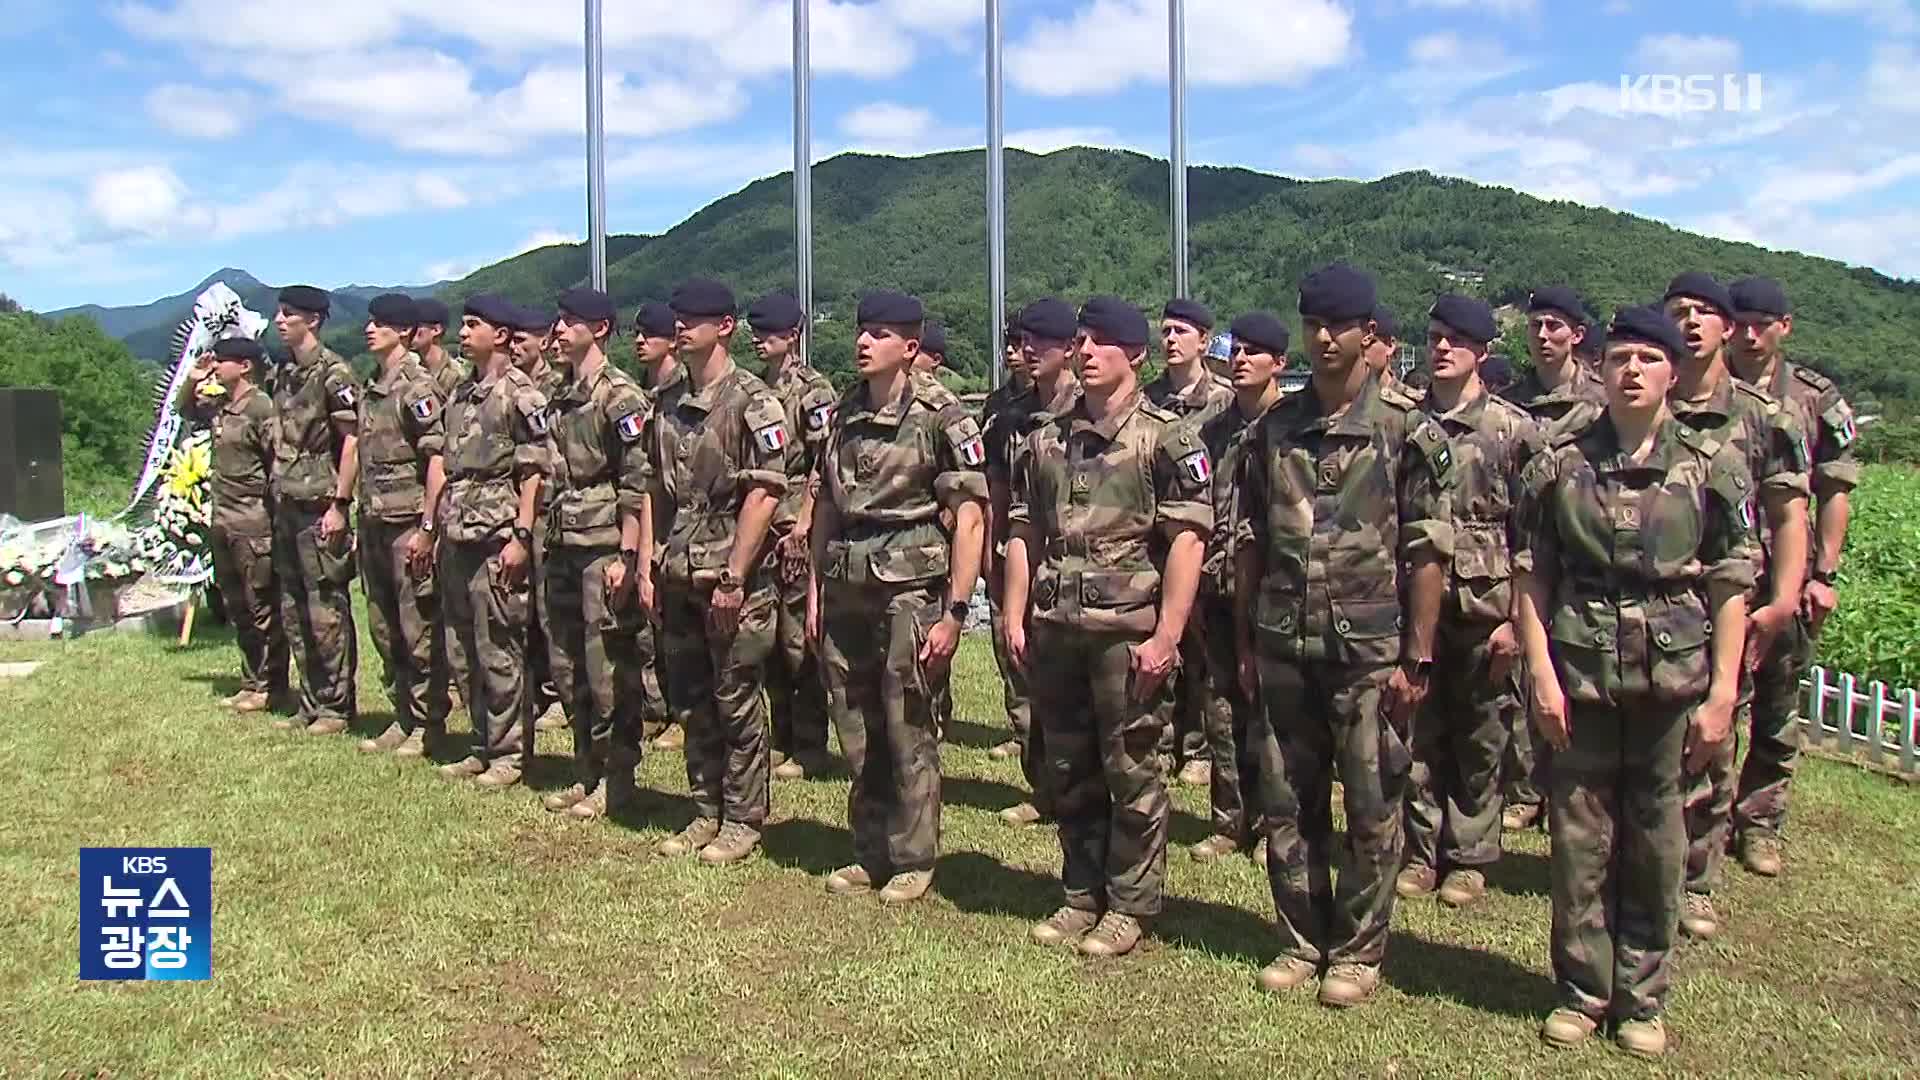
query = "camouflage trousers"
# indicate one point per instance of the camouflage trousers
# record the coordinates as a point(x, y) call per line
point(795, 691)
point(1707, 796)
point(1101, 768)
point(1523, 767)
point(593, 652)
point(402, 611)
point(1316, 718)
point(1227, 716)
point(250, 594)
point(317, 610)
point(1183, 732)
point(1459, 740)
point(713, 690)
point(1619, 850)
point(871, 636)
point(541, 692)
point(1773, 749)
point(1013, 682)
point(486, 622)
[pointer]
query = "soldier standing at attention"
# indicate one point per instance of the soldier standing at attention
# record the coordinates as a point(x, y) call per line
point(1762, 322)
point(1111, 509)
point(1563, 394)
point(1460, 735)
point(928, 361)
point(497, 454)
point(445, 369)
point(242, 419)
point(317, 400)
point(1707, 397)
point(892, 590)
point(796, 693)
point(1341, 559)
point(653, 348)
point(1047, 331)
point(1631, 578)
point(1259, 354)
point(401, 471)
point(995, 425)
point(716, 467)
point(531, 325)
point(1384, 354)
point(596, 523)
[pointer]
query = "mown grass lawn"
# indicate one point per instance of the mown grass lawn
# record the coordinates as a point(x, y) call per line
point(372, 918)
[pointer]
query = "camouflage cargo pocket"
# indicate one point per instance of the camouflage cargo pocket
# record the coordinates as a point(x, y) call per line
point(900, 565)
point(1585, 654)
point(1368, 630)
point(333, 562)
point(1277, 611)
point(506, 605)
point(1681, 667)
point(1119, 591)
point(259, 567)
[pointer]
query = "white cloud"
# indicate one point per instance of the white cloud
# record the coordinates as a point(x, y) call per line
point(1888, 241)
point(1109, 44)
point(1801, 187)
point(1893, 79)
point(196, 112)
point(885, 120)
point(1497, 7)
point(1444, 66)
point(1895, 15)
point(1687, 54)
point(454, 269)
point(144, 201)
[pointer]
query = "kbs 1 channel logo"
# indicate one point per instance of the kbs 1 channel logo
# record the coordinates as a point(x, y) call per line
point(146, 913)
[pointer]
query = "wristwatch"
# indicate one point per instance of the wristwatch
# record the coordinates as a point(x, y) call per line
point(342, 501)
point(960, 609)
point(524, 535)
point(1420, 668)
point(630, 556)
point(728, 579)
point(1825, 577)
point(426, 524)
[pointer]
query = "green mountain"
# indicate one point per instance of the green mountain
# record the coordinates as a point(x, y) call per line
point(1083, 220)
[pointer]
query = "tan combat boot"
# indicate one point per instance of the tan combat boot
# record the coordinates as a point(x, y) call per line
point(593, 806)
point(1463, 888)
point(1760, 854)
point(1414, 881)
point(1286, 973)
point(674, 738)
point(1213, 847)
point(554, 719)
point(1519, 816)
point(735, 842)
point(1005, 751)
point(559, 801)
point(695, 836)
point(499, 776)
point(287, 723)
point(1642, 1038)
point(1114, 935)
point(850, 881)
point(1064, 925)
point(249, 701)
point(1567, 1028)
point(906, 888)
point(790, 768)
point(465, 769)
point(389, 739)
point(228, 701)
point(1021, 816)
point(327, 725)
point(415, 745)
point(1349, 984)
point(1197, 773)
point(1698, 918)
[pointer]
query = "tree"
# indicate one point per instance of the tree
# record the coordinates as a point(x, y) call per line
point(106, 396)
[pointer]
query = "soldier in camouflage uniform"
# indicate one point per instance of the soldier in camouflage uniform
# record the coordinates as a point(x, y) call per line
point(891, 593)
point(1340, 558)
point(994, 429)
point(1259, 354)
point(316, 398)
point(716, 467)
point(400, 472)
point(1461, 733)
point(1384, 354)
point(497, 454)
point(1111, 509)
point(447, 372)
point(242, 419)
point(596, 537)
point(1762, 320)
point(1562, 394)
point(930, 359)
point(1188, 389)
point(1047, 330)
point(796, 692)
point(531, 327)
point(1630, 575)
point(1706, 397)
point(653, 349)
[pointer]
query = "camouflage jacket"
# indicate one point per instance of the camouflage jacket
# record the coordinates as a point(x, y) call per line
point(1224, 434)
point(1566, 408)
point(995, 407)
point(808, 400)
point(497, 435)
point(311, 397)
point(1337, 507)
point(452, 373)
point(888, 472)
point(1765, 436)
point(1633, 555)
point(550, 381)
point(1199, 401)
point(704, 449)
point(1826, 425)
point(242, 456)
point(599, 457)
point(1097, 499)
point(401, 427)
point(1492, 440)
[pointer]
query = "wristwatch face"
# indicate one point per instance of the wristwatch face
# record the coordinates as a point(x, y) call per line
point(959, 609)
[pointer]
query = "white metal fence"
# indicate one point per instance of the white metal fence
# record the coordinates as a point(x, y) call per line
point(1844, 715)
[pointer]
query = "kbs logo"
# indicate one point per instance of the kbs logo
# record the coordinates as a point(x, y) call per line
point(146, 913)
point(1667, 94)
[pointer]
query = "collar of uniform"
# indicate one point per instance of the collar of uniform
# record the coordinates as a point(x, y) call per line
point(311, 360)
point(659, 386)
point(1718, 403)
point(390, 380)
point(1466, 415)
point(1066, 397)
point(1111, 425)
point(583, 388)
point(1782, 379)
point(1358, 419)
point(236, 402)
point(702, 398)
point(889, 414)
point(1612, 457)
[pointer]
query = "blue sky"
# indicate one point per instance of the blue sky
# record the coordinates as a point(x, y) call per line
point(149, 142)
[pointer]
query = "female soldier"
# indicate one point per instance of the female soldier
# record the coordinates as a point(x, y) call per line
point(1630, 584)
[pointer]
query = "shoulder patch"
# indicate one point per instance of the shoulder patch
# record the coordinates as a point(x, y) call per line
point(820, 417)
point(1432, 442)
point(424, 407)
point(1196, 467)
point(1811, 377)
point(631, 425)
point(1839, 420)
point(772, 437)
point(346, 395)
point(1159, 412)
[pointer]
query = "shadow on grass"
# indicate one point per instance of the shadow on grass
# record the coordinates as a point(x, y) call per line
point(1521, 873)
point(1474, 977)
point(812, 847)
point(976, 736)
point(992, 796)
point(219, 686)
point(651, 809)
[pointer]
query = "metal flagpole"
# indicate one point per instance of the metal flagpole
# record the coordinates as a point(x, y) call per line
point(596, 154)
point(996, 199)
point(1177, 159)
point(802, 174)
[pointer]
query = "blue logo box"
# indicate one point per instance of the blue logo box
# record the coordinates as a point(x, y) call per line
point(146, 913)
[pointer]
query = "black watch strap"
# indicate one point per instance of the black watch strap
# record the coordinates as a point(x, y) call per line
point(1825, 577)
point(960, 609)
point(524, 535)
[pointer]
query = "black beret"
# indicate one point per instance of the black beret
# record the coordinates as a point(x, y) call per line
point(239, 348)
point(589, 304)
point(1263, 330)
point(1049, 318)
point(1561, 299)
point(393, 309)
point(492, 309)
point(1384, 324)
point(431, 310)
point(306, 298)
point(1496, 372)
point(1466, 314)
point(1116, 320)
point(703, 297)
point(887, 306)
point(775, 313)
point(1701, 286)
point(1192, 311)
point(654, 319)
point(1648, 324)
point(1337, 293)
point(533, 319)
point(1760, 294)
point(933, 340)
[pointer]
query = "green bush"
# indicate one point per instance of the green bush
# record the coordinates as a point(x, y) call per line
point(106, 399)
point(1875, 632)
